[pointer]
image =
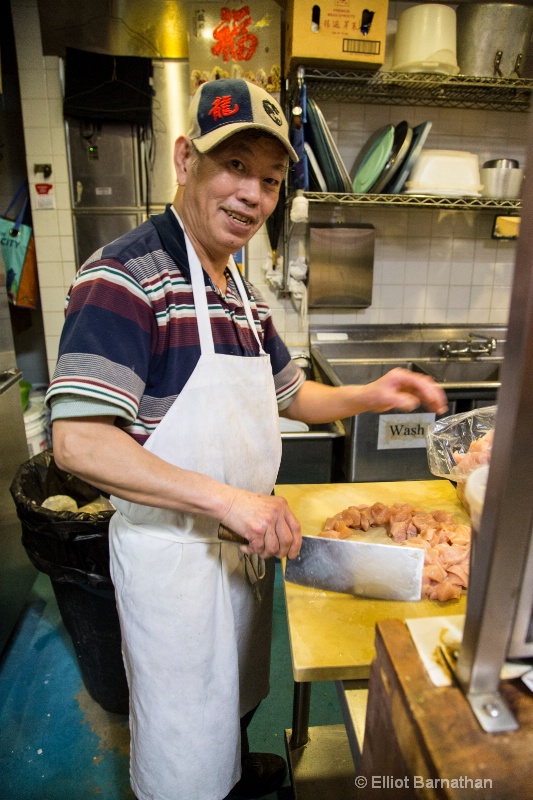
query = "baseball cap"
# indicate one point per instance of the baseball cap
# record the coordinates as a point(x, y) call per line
point(223, 107)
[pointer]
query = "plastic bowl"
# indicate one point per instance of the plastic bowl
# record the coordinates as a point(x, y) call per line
point(448, 172)
point(502, 182)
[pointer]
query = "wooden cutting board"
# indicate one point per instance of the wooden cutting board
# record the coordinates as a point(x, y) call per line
point(332, 635)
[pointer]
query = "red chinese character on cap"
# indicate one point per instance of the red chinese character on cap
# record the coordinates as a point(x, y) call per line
point(222, 107)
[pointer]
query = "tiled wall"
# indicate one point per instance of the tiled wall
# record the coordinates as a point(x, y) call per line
point(431, 266)
point(44, 136)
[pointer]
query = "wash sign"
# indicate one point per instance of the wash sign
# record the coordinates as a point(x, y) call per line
point(399, 431)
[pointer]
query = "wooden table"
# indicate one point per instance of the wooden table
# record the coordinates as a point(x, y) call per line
point(424, 741)
point(332, 635)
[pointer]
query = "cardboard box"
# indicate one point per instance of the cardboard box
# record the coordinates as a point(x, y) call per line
point(235, 39)
point(345, 33)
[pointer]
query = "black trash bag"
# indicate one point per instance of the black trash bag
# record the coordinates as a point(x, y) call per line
point(70, 547)
point(73, 549)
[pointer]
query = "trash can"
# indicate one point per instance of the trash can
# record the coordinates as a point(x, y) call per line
point(72, 548)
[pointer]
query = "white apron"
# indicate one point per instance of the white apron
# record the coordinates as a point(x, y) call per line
point(196, 636)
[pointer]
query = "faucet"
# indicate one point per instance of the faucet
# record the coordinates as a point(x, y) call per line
point(485, 347)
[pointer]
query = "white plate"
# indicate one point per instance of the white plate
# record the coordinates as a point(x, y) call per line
point(314, 166)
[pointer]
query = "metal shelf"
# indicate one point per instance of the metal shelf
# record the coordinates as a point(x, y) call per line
point(417, 89)
point(417, 200)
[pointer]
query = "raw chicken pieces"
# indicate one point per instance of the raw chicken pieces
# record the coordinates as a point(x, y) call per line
point(446, 543)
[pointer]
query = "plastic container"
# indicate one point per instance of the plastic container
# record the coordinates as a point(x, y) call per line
point(426, 40)
point(36, 428)
point(502, 182)
point(73, 550)
point(453, 173)
point(475, 488)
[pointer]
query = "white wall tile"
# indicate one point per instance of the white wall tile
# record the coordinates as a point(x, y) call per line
point(501, 297)
point(45, 223)
point(416, 273)
point(36, 114)
point(393, 272)
point(435, 316)
point(480, 297)
point(498, 317)
point(482, 274)
point(48, 249)
point(53, 320)
point(38, 142)
point(32, 83)
point(459, 297)
point(413, 316)
point(415, 296)
point(50, 274)
point(53, 299)
point(438, 273)
point(455, 316)
point(392, 296)
point(461, 273)
point(418, 250)
point(436, 297)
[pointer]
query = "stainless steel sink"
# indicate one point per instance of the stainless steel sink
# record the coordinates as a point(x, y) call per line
point(363, 371)
point(484, 372)
point(401, 343)
point(381, 447)
point(340, 352)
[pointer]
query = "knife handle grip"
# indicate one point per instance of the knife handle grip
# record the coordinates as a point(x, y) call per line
point(227, 535)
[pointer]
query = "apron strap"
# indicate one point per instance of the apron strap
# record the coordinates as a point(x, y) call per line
point(200, 297)
point(236, 275)
point(205, 333)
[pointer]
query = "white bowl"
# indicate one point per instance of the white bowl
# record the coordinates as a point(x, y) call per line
point(446, 172)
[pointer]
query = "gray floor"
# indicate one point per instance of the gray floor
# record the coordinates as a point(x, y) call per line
point(56, 743)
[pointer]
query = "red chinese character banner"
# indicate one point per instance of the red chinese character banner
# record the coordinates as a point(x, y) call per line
point(235, 40)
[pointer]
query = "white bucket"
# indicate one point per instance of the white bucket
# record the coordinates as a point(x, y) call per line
point(426, 40)
point(36, 427)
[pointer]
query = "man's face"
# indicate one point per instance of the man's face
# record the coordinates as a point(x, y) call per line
point(232, 190)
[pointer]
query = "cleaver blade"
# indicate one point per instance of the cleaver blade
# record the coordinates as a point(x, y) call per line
point(367, 569)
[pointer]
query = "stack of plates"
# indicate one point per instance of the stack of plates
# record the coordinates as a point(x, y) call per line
point(326, 166)
point(386, 159)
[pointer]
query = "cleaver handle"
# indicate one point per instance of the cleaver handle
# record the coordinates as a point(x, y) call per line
point(227, 535)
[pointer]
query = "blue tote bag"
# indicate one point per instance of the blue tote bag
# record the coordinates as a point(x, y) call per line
point(15, 239)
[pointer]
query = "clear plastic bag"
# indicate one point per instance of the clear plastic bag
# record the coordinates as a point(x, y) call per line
point(459, 444)
point(451, 439)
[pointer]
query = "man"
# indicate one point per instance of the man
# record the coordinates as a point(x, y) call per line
point(167, 393)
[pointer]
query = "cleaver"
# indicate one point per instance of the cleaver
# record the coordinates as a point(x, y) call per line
point(367, 569)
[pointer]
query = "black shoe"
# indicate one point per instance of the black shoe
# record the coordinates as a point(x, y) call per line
point(262, 773)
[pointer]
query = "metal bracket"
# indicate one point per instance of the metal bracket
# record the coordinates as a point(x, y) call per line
point(492, 713)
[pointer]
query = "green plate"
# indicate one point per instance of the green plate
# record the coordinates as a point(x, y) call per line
point(371, 160)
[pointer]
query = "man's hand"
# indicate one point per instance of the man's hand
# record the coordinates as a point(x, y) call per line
point(405, 390)
point(266, 522)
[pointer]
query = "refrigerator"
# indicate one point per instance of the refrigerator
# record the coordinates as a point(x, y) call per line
point(121, 172)
point(16, 572)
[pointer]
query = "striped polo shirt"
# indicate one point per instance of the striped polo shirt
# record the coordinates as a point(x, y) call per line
point(130, 338)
